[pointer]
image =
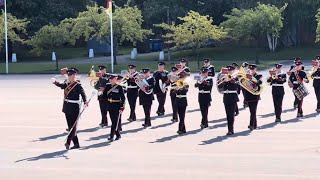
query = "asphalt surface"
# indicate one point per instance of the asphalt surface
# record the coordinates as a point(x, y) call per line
point(32, 137)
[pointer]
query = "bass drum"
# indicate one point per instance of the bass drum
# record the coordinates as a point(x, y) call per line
point(219, 78)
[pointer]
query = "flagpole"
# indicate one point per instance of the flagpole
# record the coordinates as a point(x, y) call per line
point(111, 40)
point(6, 34)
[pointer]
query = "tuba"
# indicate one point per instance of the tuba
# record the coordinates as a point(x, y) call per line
point(142, 83)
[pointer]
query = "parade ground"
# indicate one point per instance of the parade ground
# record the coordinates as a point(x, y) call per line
point(32, 131)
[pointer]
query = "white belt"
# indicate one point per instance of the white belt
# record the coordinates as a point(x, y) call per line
point(132, 87)
point(181, 96)
point(204, 92)
point(317, 77)
point(230, 92)
point(277, 85)
point(72, 101)
point(295, 82)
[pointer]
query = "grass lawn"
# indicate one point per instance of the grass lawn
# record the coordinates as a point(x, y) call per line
point(63, 53)
point(241, 54)
point(43, 68)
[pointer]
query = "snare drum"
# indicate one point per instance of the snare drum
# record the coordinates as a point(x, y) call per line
point(301, 92)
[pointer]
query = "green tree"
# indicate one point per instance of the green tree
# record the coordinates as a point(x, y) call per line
point(318, 26)
point(16, 29)
point(263, 20)
point(194, 32)
point(50, 37)
point(127, 25)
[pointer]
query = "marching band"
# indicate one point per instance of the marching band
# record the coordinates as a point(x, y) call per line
point(230, 81)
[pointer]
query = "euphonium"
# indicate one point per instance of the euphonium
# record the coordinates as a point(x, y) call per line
point(142, 83)
point(249, 83)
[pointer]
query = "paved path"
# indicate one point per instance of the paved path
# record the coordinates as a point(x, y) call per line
point(32, 136)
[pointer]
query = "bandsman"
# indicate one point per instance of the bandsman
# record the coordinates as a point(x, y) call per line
point(204, 96)
point(207, 64)
point(186, 69)
point(230, 98)
point(251, 99)
point(236, 66)
point(181, 100)
point(100, 86)
point(146, 96)
point(316, 83)
point(116, 103)
point(160, 88)
point(276, 81)
point(297, 78)
point(132, 92)
point(173, 73)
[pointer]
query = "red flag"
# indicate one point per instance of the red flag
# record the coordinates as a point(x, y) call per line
point(109, 7)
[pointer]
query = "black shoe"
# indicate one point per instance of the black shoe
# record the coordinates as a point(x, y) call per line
point(181, 132)
point(230, 133)
point(76, 146)
point(299, 115)
point(129, 119)
point(251, 128)
point(117, 138)
point(278, 120)
point(174, 120)
point(236, 114)
point(146, 125)
point(67, 146)
point(67, 129)
point(110, 139)
point(245, 105)
point(318, 110)
point(203, 126)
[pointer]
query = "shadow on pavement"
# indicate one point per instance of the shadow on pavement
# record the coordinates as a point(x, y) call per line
point(247, 132)
point(223, 138)
point(163, 125)
point(273, 114)
point(57, 154)
point(56, 136)
point(169, 138)
point(98, 145)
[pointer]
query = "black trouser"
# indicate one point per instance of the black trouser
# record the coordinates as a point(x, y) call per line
point(230, 109)
point(296, 101)
point(174, 107)
point(277, 103)
point(132, 96)
point(317, 92)
point(182, 113)
point(236, 109)
point(253, 113)
point(71, 120)
point(147, 110)
point(104, 111)
point(299, 103)
point(204, 108)
point(162, 100)
point(244, 97)
point(115, 119)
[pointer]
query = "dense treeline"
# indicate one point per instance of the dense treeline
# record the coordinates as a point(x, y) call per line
point(299, 26)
